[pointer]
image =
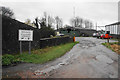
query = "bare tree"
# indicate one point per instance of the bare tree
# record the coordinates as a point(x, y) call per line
point(36, 22)
point(91, 25)
point(7, 12)
point(42, 22)
point(51, 20)
point(72, 21)
point(76, 22)
point(45, 18)
point(88, 24)
point(59, 22)
point(48, 21)
point(79, 22)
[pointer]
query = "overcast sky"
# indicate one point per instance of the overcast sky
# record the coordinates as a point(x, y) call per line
point(101, 11)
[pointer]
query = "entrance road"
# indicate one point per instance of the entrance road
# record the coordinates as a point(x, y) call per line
point(89, 59)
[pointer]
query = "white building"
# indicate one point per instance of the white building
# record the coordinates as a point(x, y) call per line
point(113, 28)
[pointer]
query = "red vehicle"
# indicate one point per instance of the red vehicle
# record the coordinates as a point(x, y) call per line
point(105, 36)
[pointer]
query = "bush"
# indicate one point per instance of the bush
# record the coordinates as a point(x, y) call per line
point(46, 32)
point(8, 59)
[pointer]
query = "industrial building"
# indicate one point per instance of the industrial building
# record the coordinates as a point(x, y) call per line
point(113, 28)
point(77, 31)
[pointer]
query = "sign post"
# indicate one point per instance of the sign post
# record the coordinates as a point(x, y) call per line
point(25, 35)
point(29, 47)
point(20, 47)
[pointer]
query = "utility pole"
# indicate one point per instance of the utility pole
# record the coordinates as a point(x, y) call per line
point(96, 26)
point(74, 11)
point(74, 25)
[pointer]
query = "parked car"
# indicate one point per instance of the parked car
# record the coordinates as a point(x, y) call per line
point(60, 34)
point(104, 36)
point(96, 34)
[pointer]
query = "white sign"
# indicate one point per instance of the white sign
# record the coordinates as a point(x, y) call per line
point(25, 35)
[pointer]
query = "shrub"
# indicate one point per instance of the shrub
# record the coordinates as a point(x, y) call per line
point(8, 59)
point(46, 32)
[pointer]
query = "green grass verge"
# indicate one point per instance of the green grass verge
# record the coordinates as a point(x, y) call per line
point(108, 45)
point(40, 55)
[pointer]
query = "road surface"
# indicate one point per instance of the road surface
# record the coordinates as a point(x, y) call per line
point(90, 59)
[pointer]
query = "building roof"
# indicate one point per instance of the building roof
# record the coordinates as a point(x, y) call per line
point(117, 23)
point(83, 28)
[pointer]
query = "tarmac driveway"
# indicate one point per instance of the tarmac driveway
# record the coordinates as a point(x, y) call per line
point(88, 59)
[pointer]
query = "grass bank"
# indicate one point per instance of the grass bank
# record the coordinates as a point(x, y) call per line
point(38, 56)
point(115, 46)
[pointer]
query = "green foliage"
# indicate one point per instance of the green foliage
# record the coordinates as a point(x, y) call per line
point(114, 43)
point(7, 12)
point(46, 32)
point(47, 54)
point(108, 45)
point(7, 59)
